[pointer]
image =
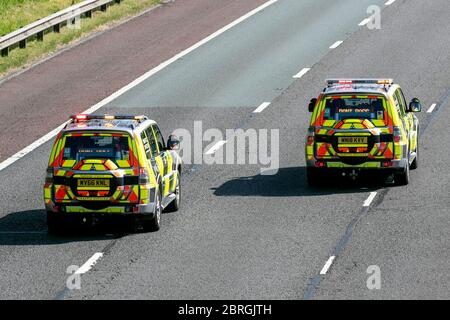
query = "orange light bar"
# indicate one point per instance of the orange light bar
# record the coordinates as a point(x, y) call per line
point(81, 116)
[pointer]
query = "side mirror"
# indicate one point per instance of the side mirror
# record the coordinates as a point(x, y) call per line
point(312, 104)
point(173, 142)
point(415, 105)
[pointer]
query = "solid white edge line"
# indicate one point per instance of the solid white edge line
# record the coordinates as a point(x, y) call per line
point(90, 263)
point(364, 22)
point(301, 73)
point(261, 107)
point(216, 147)
point(336, 44)
point(327, 265)
point(369, 199)
point(389, 2)
point(431, 109)
point(134, 83)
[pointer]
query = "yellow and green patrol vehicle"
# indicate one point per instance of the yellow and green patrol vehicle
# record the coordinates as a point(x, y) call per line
point(111, 166)
point(359, 126)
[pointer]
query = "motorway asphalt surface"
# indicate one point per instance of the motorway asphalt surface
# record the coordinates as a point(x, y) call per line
point(241, 234)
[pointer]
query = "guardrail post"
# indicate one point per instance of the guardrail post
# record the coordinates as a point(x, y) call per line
point(103, 7)
point(23, 44)
point(56, 28)
point(40, 36)
point(5, 52)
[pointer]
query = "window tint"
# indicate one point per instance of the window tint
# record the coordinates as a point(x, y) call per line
point(401, 102)
point(341, 108)
point(151, 140)
point(96, 147)
point(159, 138)
point(146, 144)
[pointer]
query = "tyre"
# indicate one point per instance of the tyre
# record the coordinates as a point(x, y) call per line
point(175, 204)
point(312, 177)
point(414, 164)
point(154, 223)
point(402, 179)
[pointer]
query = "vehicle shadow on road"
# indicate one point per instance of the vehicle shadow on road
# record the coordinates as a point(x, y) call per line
point(291, 182)
point(30, 228)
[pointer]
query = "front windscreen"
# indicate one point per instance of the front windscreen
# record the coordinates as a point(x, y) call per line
point(341, 108)
point(96, 147)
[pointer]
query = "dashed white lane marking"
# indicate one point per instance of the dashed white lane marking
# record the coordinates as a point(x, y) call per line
point(89, 264)
point(301, 73)
point(216, 147)
point(261, 107)
point(134, 83)
point(389, 2)
point(336, 44)
point(364, 22)
point(327, 265)
point(431, 108)
point(369, 199)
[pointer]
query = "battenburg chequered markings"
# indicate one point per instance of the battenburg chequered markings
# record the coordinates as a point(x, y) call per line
point(362, 124)
point(104, 165)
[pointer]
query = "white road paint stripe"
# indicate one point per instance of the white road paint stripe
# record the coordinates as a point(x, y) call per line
point(431, 108)
point(389, 2)
point(301, 73)
point(364, 22)
point(134, 83)
point(261, 107)
point(327, 265)
point(89, 264)
point(336, 44)
point(369, 199)
point(216, 147)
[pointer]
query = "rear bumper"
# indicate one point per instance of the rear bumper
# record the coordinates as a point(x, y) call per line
point(74, 209)
point(391, 166)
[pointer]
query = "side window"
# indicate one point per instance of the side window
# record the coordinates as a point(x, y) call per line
point(400, 102)
point(151, 140)
point(146, 144)
point(159, 138)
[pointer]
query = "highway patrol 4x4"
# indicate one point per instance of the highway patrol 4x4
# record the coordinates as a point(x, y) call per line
point(362, 125)
point(103, 165)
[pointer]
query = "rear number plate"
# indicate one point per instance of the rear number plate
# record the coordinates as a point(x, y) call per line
point(352, 140)
point(97, 183)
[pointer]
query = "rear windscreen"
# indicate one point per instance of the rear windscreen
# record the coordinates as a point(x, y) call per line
point(96, 147)
point(341, 108)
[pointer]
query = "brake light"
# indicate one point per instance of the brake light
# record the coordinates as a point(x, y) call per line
point(320, 164)
point(144, 177)
point(387, 164)
point(397, 134)
point(345, 82)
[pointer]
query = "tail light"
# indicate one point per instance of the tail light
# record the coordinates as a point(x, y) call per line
point(144, 177)
point(310, 138)
point(397, 134)
point(49, 175)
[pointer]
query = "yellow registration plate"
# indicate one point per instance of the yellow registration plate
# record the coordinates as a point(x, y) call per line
point(354, 140)
point(93, 183)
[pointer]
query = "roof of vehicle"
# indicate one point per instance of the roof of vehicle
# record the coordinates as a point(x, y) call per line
point(376, 86)
point(107, 122)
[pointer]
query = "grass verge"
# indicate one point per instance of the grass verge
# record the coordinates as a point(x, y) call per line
point(36, 51)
